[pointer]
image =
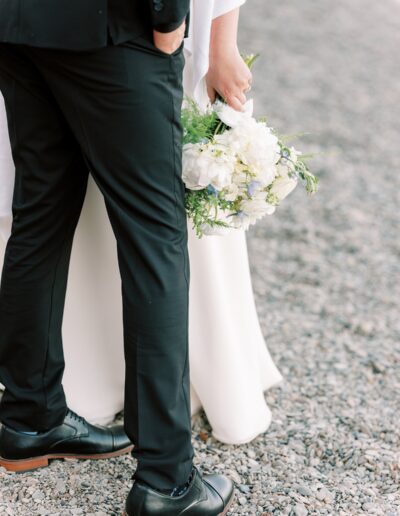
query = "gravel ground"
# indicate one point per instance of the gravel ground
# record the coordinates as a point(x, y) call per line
point(325, 273)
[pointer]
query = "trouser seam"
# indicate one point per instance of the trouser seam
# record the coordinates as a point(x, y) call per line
point(56, 268)
point(184, 253)
point(175, 193)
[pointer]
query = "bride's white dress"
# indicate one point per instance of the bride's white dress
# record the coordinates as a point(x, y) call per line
point(229, 361)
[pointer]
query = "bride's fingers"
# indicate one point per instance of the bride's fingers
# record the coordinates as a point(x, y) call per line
point(211, 93)
point(235, 103)
point(241, 96)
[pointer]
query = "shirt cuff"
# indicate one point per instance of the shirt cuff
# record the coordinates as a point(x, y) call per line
point(168, 27)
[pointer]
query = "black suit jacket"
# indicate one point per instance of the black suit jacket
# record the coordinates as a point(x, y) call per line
point(85, 24)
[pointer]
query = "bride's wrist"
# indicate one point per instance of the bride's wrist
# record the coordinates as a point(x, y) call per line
point(223, 38)
point(220, 52)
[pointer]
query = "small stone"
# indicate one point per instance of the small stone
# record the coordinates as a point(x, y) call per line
point(369, 506)
point(304, 490)
point(251, 453)
point(60, 487)
point(244, 488)
point(323, 494)
point(300, 510)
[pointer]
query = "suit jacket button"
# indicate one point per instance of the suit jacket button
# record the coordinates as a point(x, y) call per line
point(158, 5)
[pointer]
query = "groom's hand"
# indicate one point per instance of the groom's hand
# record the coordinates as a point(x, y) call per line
point(168, 42)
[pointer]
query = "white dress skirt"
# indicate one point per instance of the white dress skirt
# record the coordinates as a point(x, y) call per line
point(230, 365)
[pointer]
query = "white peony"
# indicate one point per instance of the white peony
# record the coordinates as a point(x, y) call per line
point(257, 147)
point(192, 173)
point(231, 117)
point(231, 192)
point(205, 164)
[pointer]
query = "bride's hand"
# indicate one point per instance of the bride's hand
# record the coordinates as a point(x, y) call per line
point(168, 42)
point(229, 76)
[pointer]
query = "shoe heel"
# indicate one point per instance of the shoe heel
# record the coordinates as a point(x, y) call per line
point(19, 466)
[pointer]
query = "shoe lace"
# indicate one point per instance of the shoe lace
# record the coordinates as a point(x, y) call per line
point(179, 490)
point(176, 491)
point(75, 416)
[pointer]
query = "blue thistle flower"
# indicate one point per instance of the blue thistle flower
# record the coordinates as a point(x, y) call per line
point(252, 187)
point(212, 190)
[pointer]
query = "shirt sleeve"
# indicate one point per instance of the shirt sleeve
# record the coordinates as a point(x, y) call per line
point(224, 6)
point(168, 15)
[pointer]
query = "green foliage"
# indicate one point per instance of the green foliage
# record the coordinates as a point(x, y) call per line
point(272, 199)
point(198, 126)
point(250, 59)
point(310, 181)
point(202, 208)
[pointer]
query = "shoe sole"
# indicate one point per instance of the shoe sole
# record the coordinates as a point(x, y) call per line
point(22, 465)
point(228, 506)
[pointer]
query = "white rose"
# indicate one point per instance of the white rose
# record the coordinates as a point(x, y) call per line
point(244, 221)
point(283, 186)
point(257, 207)
point(283, 170)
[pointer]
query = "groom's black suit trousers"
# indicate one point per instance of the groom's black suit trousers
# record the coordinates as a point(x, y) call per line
point(114, 112)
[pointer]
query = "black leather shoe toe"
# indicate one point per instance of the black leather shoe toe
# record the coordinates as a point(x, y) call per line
point(222, 485)
point(208, 496)
point(120, 439)
point(74, 438)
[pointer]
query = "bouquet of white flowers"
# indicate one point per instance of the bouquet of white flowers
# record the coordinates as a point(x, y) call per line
point(235, 168)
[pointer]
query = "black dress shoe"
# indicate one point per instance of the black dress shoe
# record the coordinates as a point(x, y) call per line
point(208, 496)
point(75, 438)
